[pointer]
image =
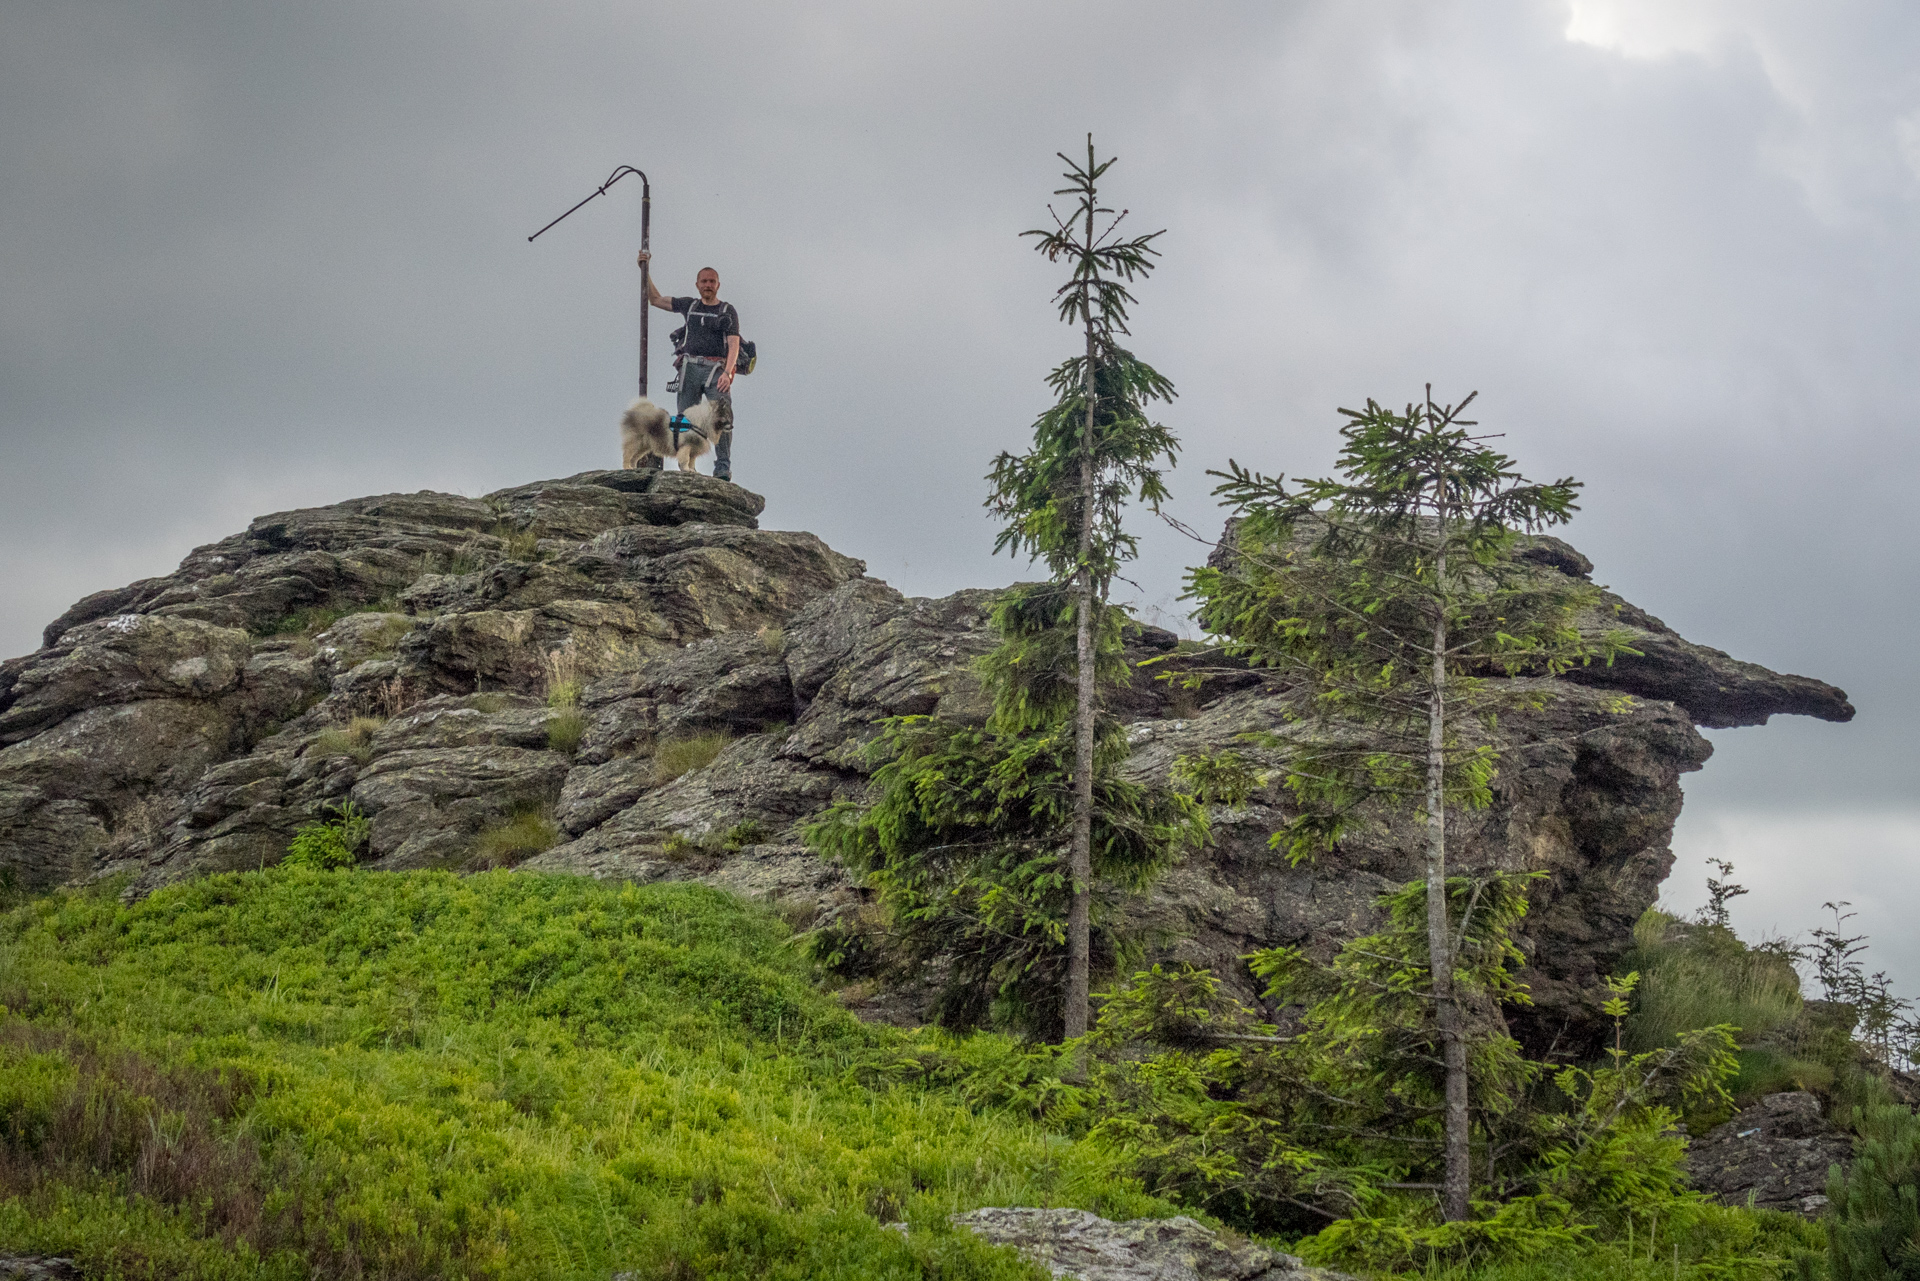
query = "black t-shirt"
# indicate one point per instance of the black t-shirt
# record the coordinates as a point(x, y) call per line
point(707, 327)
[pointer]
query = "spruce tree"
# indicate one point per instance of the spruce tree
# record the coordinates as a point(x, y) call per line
point(1062, 501)
point(1873, 1223)
point(1390, 595)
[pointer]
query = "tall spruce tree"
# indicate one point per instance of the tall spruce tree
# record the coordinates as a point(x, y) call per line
point(1062, 501)
point(1391, 595)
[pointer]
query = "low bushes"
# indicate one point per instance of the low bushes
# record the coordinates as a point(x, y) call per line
point(502, 1075)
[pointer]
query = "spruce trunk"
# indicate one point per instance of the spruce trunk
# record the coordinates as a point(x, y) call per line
point(1453, 1047)
point(1080, 857)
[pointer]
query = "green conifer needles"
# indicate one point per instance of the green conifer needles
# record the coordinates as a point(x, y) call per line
point(1874, 1228)
point(1061, 502)
point(1389, 595)
point(1339, 584)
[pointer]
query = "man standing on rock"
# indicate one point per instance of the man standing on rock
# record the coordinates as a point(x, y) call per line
point(708, 357)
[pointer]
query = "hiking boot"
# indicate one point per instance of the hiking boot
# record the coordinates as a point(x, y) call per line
point(723, 473)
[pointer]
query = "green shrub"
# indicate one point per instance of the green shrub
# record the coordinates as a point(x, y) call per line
point(678, 848)
point(1874, 1225)
point(1217, 778)
point(679, 756)
point(516, 840)
point(354, 740)
point(325, 845)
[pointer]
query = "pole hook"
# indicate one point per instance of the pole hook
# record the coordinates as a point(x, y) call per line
point(646, 217)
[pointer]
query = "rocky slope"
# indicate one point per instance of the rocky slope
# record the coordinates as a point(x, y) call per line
point(397, 652)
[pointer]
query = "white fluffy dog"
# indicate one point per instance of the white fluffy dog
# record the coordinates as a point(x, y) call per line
point(647, 429)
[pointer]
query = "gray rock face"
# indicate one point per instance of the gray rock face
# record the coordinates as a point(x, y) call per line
point(1775, 1155)
point(1086, 1247)
point(29, 1267)
point(395, 652)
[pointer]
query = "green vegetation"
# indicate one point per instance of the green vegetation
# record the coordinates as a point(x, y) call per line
point(332, 844)
point(1874, 1230)
point(1388, 595)
point(311, 620)
point(679, 756)
point(293, 1074)
point(1061, 502)
point(962, 845)
point(1698, 975)
point(742, 834)
point(516, 840)
point(355, 739)
point(565, 729)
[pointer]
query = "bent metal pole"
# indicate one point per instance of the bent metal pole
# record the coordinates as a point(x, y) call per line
point(646, 216)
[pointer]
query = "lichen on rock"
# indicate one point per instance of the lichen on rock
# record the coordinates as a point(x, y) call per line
point(396, 652)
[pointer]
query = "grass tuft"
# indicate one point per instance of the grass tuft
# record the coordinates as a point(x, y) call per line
point(516, 840)
point(678, 756)
point(355, 739)
point(1700, 975)
point(521, 544)
point(565, 729)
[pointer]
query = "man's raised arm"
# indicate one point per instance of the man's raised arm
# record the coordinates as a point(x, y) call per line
point(654, 295)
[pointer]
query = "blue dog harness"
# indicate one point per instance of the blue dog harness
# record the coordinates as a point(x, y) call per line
point(678, 423)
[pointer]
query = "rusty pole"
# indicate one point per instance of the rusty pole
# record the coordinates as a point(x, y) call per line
point(646, 277)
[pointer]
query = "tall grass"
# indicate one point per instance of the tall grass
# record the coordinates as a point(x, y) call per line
point(502, 1075)
point(1695, 976)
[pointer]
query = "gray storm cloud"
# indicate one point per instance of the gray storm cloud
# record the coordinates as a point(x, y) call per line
point(264, 256)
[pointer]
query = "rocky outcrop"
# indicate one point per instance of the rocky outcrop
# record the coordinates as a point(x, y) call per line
point(1774, 1155)
point(1085, 1247)
point(669, 692)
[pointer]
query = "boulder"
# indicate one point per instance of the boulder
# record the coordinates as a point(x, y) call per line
point(1083, 1246)
point(1774, 1155)
point(124, 659)
point(428, 804)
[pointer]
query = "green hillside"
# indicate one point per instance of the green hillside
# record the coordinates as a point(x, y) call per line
point(296, 1073)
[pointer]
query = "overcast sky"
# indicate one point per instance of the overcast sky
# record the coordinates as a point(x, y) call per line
point(256, 256)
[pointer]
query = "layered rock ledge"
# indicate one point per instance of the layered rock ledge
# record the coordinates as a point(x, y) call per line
point(397, 652)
